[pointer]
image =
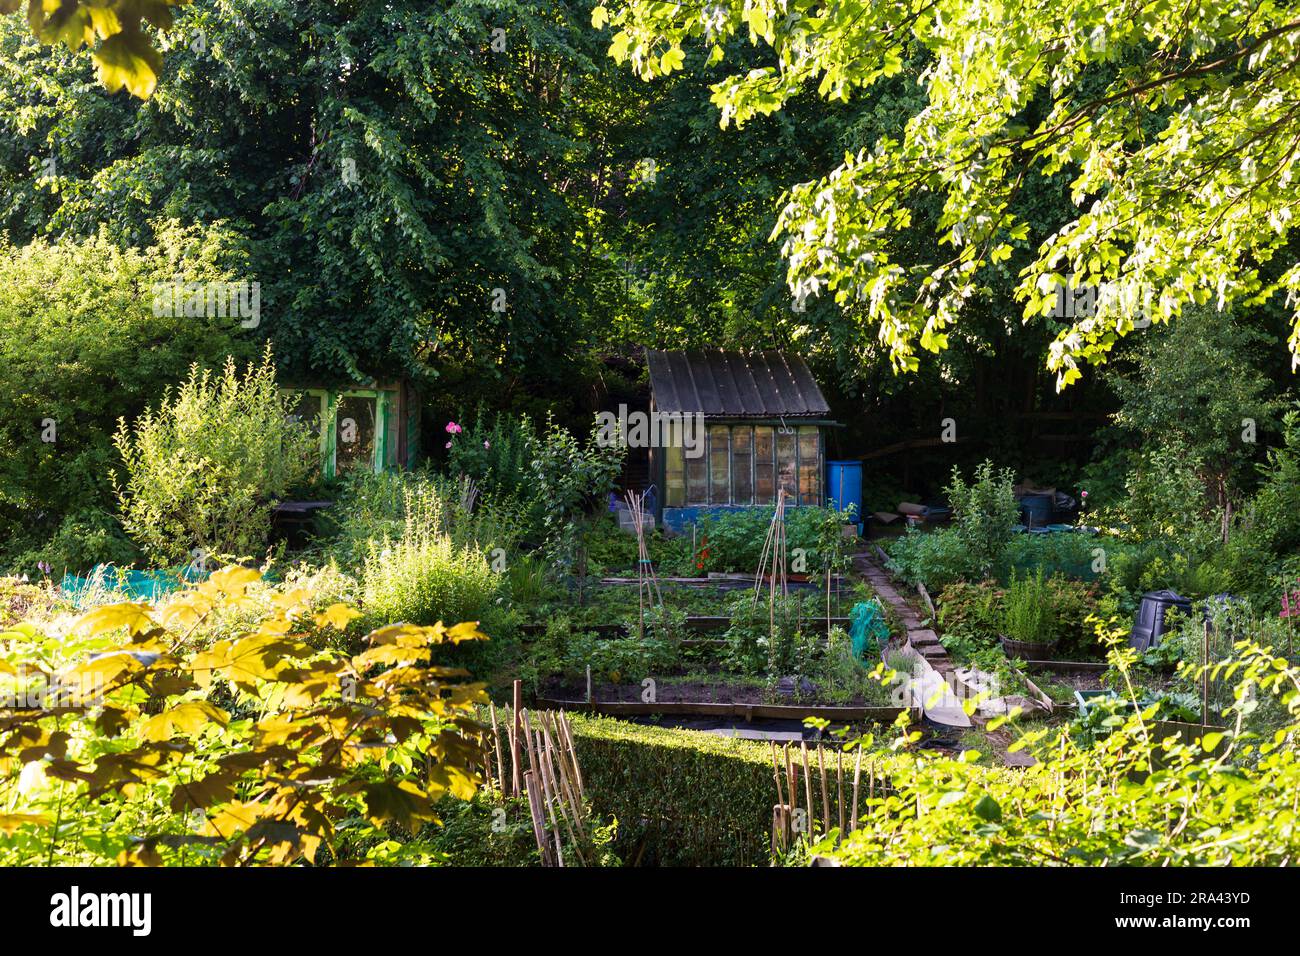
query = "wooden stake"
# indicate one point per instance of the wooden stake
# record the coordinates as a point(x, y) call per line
point(857, 778)
point(548, 799)
point(535, 811)
point(514, 735)
point(839, 789)
point(807, 787)
point(776, 773)
point(496, 739)
point(826, 797)
point(573, 749)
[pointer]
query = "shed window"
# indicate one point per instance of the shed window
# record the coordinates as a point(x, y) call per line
point(810, 466)
point(697, 480)
point(744, 465)
point(674, 477)
point(764, 472)
point(719, 465)
point(786, 452)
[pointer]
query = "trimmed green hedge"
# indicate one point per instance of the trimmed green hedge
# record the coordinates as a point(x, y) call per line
point(682, 797)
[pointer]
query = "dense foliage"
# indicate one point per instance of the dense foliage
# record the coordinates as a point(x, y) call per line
point(232, 725)
point(81, 347)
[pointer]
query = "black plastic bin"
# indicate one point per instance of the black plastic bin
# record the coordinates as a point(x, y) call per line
point(1150, 623)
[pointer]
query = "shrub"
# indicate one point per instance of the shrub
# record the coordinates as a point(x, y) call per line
point(933, 558)
point(371, 507)
point(84, 539)
point(424, 576)
point(971, 611)
point(204, 470)
point(735, 538)
point(1027, 611)
point(176, 736)
point(984, 513)
point(571, 479)
point(498, 453)
point(80, 348)
point(681, 798)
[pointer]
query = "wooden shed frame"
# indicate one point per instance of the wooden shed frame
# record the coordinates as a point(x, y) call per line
point(396, 423)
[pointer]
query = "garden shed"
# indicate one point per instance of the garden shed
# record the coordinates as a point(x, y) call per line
point(363, 428)
point(739, 426)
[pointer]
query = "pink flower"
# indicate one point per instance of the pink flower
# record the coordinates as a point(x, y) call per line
point(486, 443)
point(1085, 494)
point(448, 445)
point(453, 428)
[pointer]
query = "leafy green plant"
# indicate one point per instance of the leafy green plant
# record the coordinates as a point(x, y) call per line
point(934, 558)
point(80, 348)
point(1027, 611)
point(424, 576)
point(205, 469)
point(984, 511)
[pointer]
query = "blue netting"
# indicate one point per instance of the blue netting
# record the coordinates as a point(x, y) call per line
point(136, 585)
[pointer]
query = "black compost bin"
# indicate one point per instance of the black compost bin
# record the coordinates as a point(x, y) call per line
point(1150, 623)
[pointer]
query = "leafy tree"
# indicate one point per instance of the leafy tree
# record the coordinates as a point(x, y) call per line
point(416, 182)
point(116, 31)
point(1197, 388)
point(1175, 125)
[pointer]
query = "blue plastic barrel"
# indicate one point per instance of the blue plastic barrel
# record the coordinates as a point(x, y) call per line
point(844, 487)
point(1037, 510)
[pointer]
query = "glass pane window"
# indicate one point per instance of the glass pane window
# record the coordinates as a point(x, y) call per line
point(697, 480)
point(785, 463)
point(674, 477)
point(810, 470)
point(304, 408)
point(764, 475)
point(719, 465)
point(354, 434)
point(674, 468)
point(742, 465)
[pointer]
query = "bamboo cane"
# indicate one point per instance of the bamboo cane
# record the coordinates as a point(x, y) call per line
point(573, 749)
point(839, 789)
point(826, 797)
point(535, 812)
point(548, 801)
point(553, 785)
point(514, 734)
point(496, 739)
point(857, 778)
point(807, 787)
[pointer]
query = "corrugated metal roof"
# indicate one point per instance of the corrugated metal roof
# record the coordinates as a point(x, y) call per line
point(735, 384)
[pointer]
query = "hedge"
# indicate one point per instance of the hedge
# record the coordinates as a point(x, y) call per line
point(682, 797)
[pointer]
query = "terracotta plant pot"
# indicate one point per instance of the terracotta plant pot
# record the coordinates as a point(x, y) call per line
point(1025, 650)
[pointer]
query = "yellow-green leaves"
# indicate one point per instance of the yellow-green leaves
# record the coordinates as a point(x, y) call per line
point(126, 56)
point(188, 718)
point(134, 616)
point(310, 734)
point(127, 60)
